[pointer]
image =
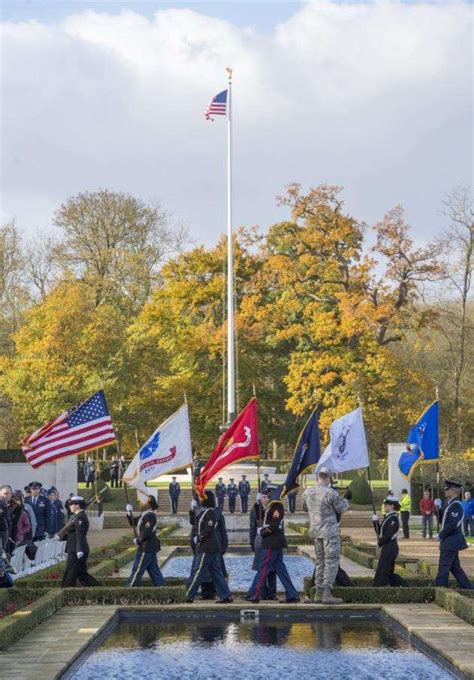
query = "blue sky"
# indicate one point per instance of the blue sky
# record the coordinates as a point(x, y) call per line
point(374, 97)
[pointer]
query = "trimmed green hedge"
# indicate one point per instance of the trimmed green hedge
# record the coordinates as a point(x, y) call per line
point(457, 603)
point(358, 556)
point(382, 595)
point(108, 567)
point(22, 621)
point(124, 596)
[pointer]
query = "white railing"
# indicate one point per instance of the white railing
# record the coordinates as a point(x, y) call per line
point(49, 553)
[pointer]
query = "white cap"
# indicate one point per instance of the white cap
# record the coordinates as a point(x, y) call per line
point(77, 499)
point(325, 471)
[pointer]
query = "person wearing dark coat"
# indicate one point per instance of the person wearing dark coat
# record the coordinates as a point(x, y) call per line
point(269, 590)
point(208, 556)
point(57, 511)
point(208, 589)
point(271, 555)
point(77, 548)
point(114, 471)
point(244, 493)
point(451, 538)
point(387, 531)
point(220, 491)
point(174, 491)
point(147, 542)
point(232, 493)
point(43, 512)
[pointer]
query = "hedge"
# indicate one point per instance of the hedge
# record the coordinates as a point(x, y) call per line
point(108, 567)
point(358, 556)
point(457, 603)
point(382, 595)
point(124, 596)
point(23, 620)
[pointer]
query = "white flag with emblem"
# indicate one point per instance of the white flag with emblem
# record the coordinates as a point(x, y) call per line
point(167, 450)
point(347, 448)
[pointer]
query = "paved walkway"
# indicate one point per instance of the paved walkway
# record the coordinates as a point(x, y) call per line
point(46, 651)
point(439, 629)
point(415, 546)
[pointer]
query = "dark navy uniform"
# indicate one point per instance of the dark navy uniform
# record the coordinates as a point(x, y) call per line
point(89, 472)
point(148, 544)
point(271, 554)
point(174, 490)
point(269, 590)
point(265, 484)
point(232, 493)
point(292, 501)
point(387, 532)
point(452, 540)
point(77, 550)
point(58, 515)
point(44, 516)
point(208, 557)
point(220, 490)
point(244, 493)
point(114, 473)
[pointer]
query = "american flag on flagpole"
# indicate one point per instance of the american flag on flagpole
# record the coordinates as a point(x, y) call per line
point(217, 106)
point(81, 428)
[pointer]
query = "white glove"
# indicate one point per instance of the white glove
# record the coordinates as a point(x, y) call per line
point(129, 509)
point(135, 541)
point(56, 537)
point(375, 518)
point(79, 555)
point(193, 504)
point(259, 530)
point(258, 497)
point(195, 540)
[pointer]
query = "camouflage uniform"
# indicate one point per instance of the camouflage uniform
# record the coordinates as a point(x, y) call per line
point(324, 504)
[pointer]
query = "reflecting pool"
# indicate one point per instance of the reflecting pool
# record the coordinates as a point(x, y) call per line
point(207, 649)
point(240, 571)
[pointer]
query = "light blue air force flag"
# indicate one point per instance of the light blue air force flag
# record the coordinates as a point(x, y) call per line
point(422, 441)
point(347, 448)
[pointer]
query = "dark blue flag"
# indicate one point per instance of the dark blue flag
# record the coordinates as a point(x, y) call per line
point(422, 442)
point(307, 454)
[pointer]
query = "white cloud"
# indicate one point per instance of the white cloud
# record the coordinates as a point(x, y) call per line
point(372, 96)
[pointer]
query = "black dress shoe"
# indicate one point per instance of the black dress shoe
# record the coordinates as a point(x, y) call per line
point(227, 600)
point(252, 599)
point(293, 599)
point(189, 600)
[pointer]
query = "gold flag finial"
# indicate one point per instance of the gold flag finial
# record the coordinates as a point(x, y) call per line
point(229, 72)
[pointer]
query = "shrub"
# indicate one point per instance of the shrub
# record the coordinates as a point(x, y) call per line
point(361, 493)
point(457, 603)
point(125, 596)
point(382, 595)
point(25, 619)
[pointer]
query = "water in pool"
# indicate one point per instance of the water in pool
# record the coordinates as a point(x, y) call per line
point(207, 649)
point(240, 569)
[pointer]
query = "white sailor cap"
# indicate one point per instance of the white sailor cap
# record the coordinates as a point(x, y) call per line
point(76, 499)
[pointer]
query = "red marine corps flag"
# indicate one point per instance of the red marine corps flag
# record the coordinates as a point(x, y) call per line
point(239, 441)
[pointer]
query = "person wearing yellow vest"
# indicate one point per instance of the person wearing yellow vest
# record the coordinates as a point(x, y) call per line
point(405, 507)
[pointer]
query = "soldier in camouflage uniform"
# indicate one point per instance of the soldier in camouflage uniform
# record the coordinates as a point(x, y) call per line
point(325, 507)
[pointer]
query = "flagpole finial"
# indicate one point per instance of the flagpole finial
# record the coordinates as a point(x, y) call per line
point(229, 73)
point(437, 393)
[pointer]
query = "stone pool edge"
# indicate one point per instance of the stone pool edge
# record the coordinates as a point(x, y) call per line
point(415, 629)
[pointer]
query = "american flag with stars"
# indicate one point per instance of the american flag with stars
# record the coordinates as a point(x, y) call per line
point(217, 106)
point(83, 427)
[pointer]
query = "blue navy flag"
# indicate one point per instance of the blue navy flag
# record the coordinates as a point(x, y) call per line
point(422, 441)
point(217, 106)
point(306, 456)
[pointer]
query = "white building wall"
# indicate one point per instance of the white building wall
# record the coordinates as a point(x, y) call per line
point(62, 475)
point(396, 481)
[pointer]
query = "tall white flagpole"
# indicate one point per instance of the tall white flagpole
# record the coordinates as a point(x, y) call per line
point(230, 266)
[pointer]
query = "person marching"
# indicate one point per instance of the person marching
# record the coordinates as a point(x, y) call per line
point(232, 492)
point(324, 508)
point(220, 490)
point(270, 557)
point(451, 538)
point(269, 590)
point(387, 530)
point(244, 493)
point(77, 548)
point(208, 556)
point(174, 490)
point(147, 542)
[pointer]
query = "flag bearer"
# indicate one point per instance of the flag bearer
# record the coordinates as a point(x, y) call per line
point(451, 539)
point(220, 493)
point(77, 548)
point(324, 508)
point(232, 493)
point(147, 542)
point(244, 493)
point(387, 530)
point(270, 557)
point(208, 556)
point(269, 590)
point(174, 490)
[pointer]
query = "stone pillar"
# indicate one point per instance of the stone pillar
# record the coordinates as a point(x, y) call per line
point(396, 481)
point(66, 476)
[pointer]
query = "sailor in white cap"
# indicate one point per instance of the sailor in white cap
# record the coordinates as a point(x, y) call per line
point(77, 548)
point(387, 531)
